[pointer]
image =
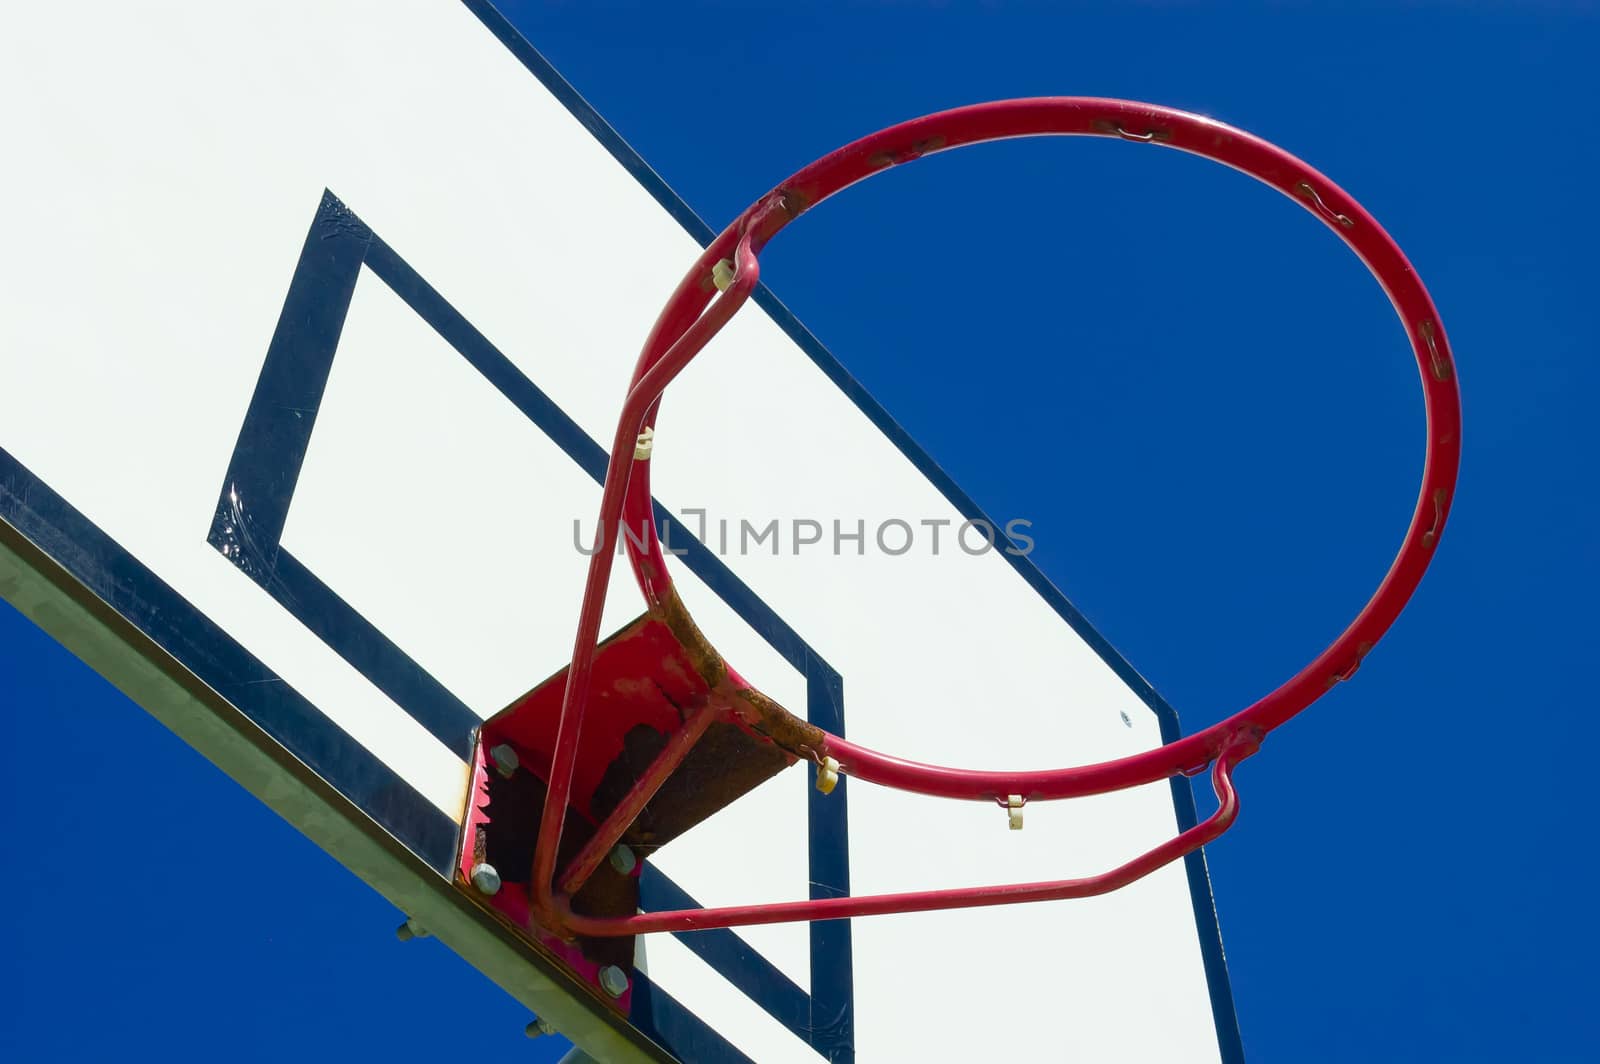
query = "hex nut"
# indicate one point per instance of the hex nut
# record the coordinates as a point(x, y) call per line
point(623, 860)
point(505, 759)
point(613, 980)
point(486, 878)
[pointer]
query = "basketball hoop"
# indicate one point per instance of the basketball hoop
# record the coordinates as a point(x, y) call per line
point(719, 283)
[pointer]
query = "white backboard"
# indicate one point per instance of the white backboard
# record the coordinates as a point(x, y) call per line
point(307, 341)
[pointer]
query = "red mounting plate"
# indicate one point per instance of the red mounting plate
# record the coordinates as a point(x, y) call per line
point(664, 748)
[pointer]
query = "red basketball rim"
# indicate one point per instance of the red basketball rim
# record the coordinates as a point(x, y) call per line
point(696, 312)
point(1129, 121)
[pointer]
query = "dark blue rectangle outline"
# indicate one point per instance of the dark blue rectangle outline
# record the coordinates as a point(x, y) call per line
point(1223, 1011)
point(252, 512)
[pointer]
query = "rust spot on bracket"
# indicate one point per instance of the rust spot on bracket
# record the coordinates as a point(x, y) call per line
point(759, 712)
point(766, 716)
point(702, 655)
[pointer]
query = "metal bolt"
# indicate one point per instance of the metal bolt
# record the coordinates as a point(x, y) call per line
point(505, 760)
point(537, 1027)
point(613, 980)
point(485, 878)
point(623, 860)
point(410, 930)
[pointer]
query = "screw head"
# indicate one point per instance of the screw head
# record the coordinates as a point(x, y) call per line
point(486, 878)
point(505, 759)
point(537, 1027)
point(613, 980)
point(623, 860)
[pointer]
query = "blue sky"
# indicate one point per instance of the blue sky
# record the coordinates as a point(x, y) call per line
point(1206, 408)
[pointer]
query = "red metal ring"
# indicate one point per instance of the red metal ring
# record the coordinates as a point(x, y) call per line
point(1163, 127)
point(695, 313)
